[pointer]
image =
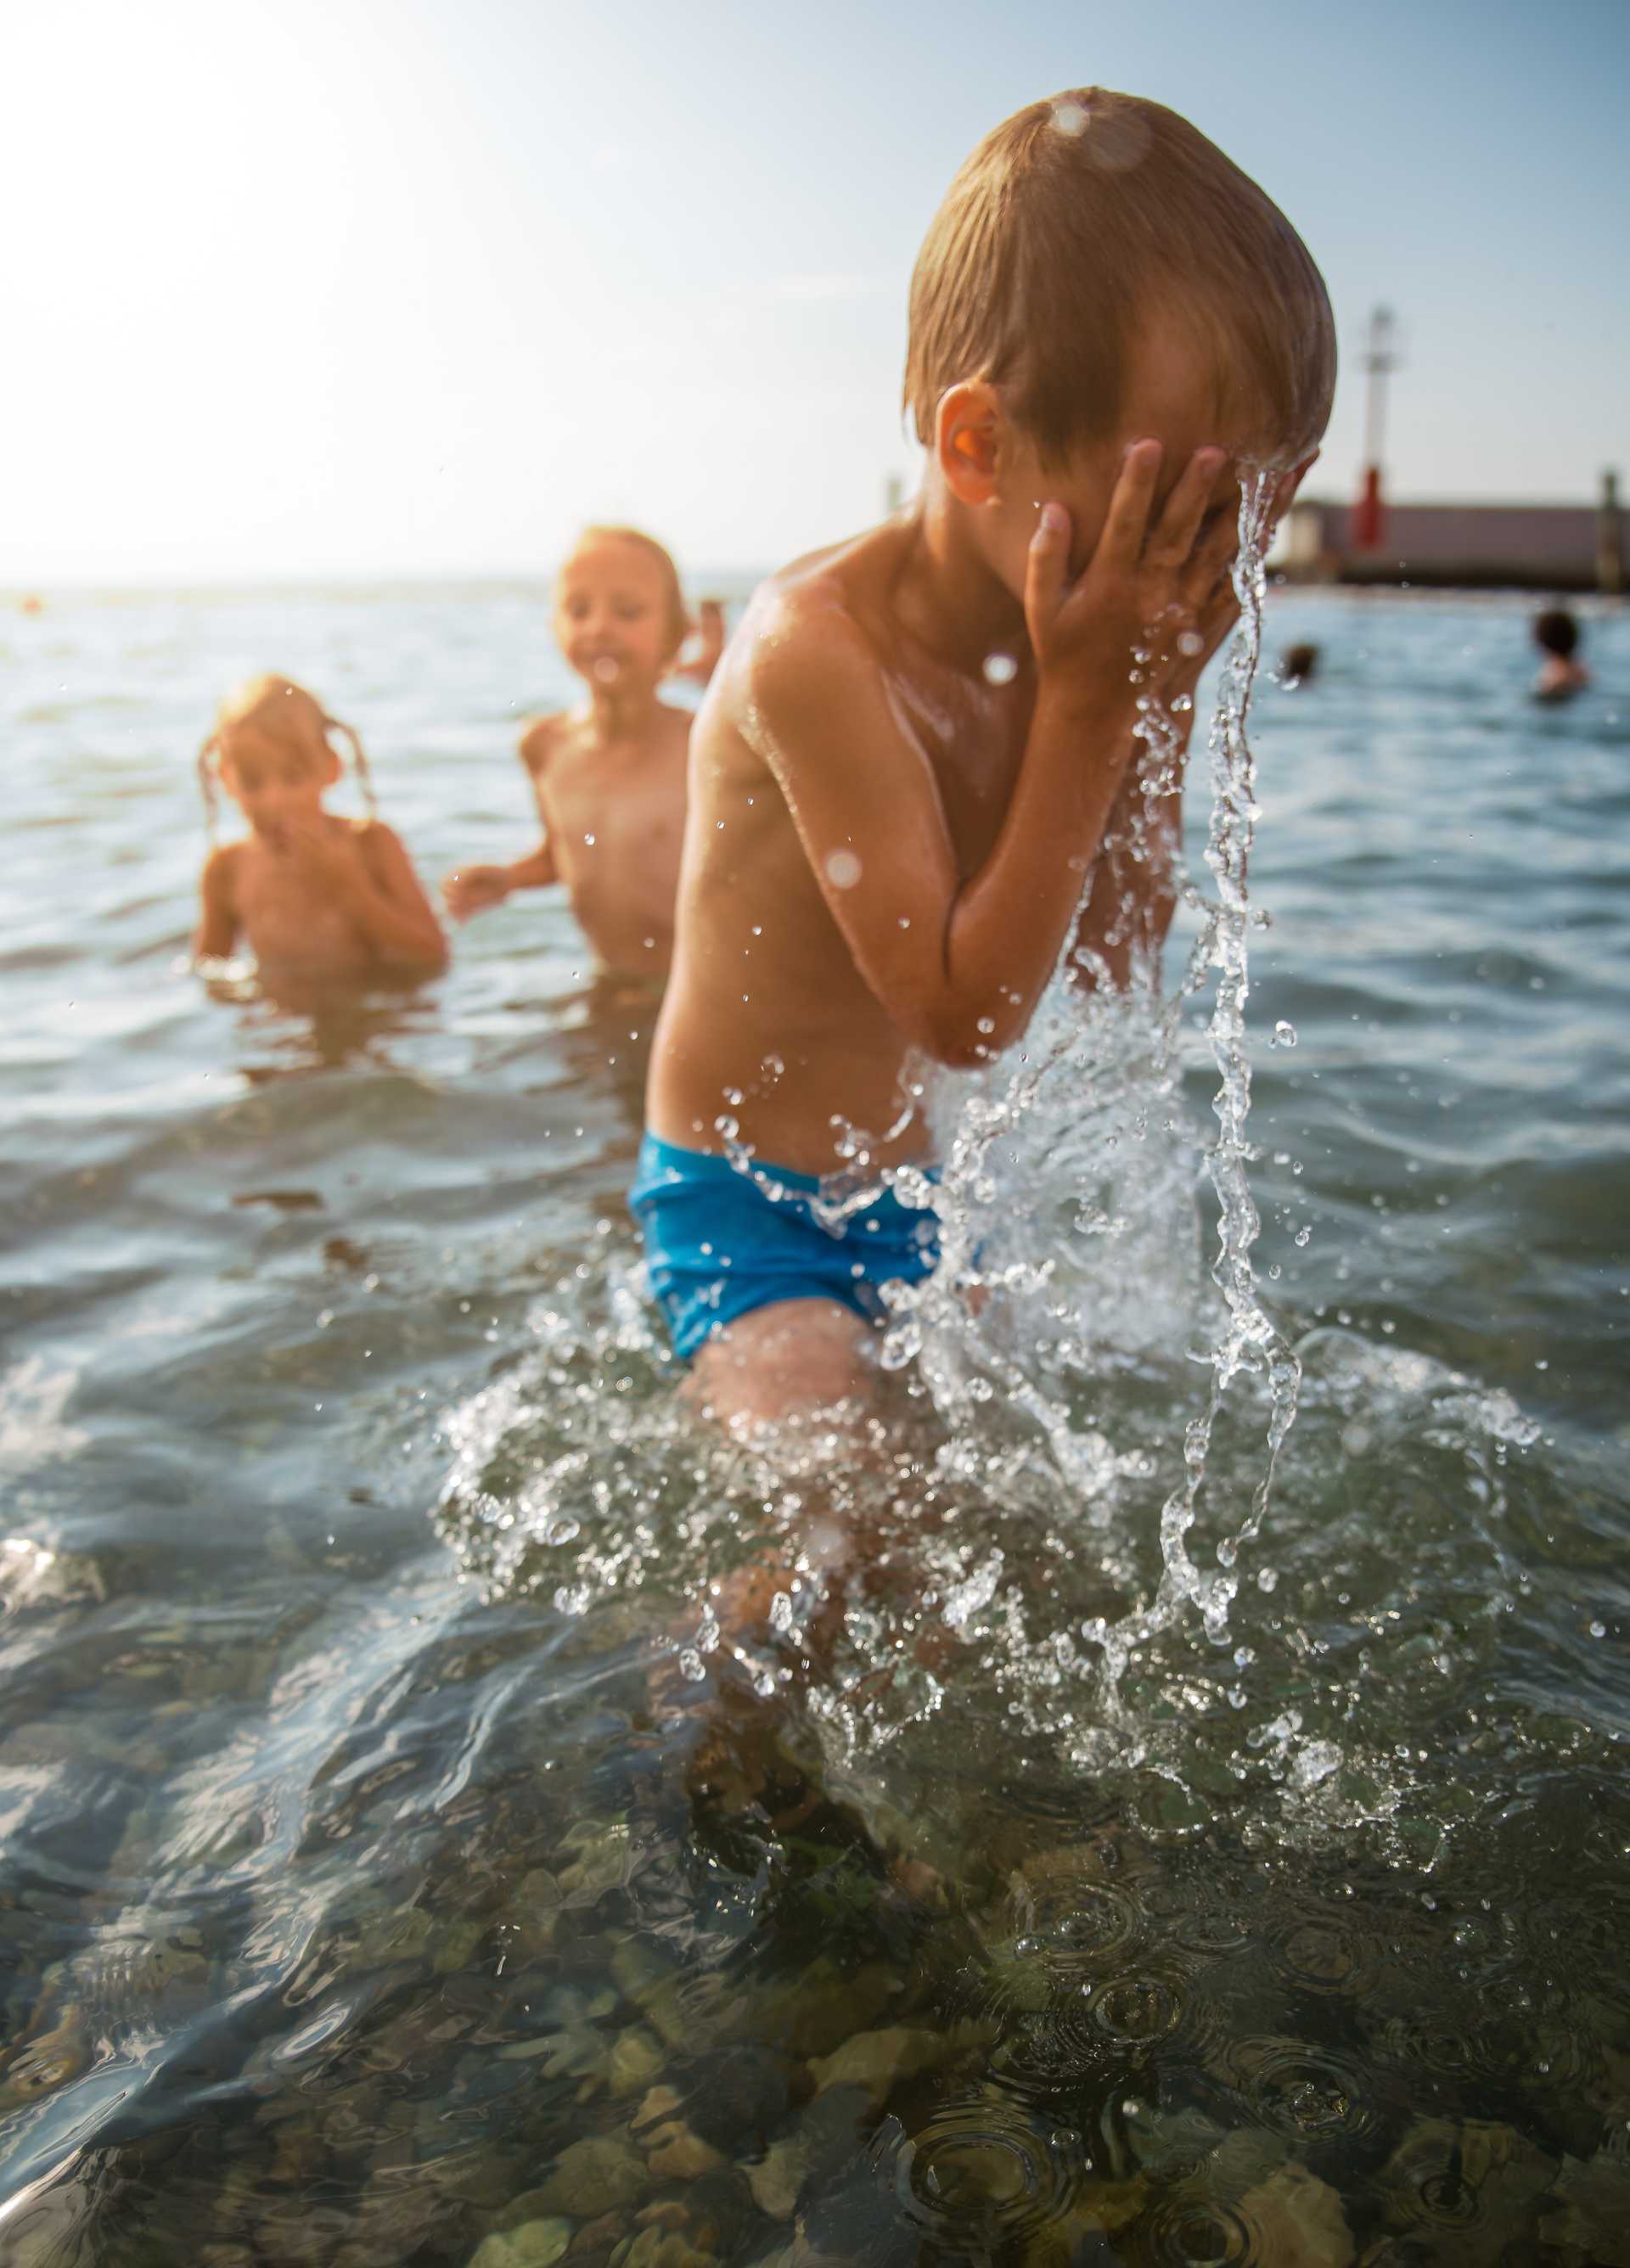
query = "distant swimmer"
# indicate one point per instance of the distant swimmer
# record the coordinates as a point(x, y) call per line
point(305, 889)
point(609, 776)
point(1300, 663)
point(1561, 674)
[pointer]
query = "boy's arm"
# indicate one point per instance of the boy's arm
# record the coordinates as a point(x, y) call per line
point(1133, 892)
point(538, 867)
point(398, 918)
point(218, 924)
point(469, 890)
point(959, 964)
point(371, 879)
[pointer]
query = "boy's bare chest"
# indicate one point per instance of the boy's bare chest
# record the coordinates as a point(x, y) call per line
point(288, 913)
point(974, 748)
point(591, 805)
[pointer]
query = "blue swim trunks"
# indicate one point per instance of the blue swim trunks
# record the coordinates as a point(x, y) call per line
point(721, 1240)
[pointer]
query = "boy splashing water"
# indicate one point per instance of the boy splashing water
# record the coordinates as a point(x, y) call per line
point(907, 771)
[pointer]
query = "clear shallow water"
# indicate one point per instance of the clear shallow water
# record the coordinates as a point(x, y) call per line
point(361, 1880)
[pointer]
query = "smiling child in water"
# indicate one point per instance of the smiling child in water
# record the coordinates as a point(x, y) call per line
point(305, 888)
point(609, 776)
point(919, 771)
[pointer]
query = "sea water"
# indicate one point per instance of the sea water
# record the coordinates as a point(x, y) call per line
point(1151, 1871)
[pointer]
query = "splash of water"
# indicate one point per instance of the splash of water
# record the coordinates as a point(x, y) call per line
point(1069, 1257)
point(1092, 1104)
point(1250, 1340)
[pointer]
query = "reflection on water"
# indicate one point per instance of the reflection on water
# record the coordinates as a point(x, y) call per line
point(377, 1890)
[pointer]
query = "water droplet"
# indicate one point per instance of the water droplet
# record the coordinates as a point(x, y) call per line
point(842, 869)
point(1190, 642)
point(1284, 1034)
point(1000, 668)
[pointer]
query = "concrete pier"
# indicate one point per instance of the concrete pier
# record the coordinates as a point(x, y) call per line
point(1519, 546)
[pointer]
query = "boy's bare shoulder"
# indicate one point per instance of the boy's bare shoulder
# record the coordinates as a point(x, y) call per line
point(540, 737)
point(220, 868)
point(375, 841)
point(824, 615)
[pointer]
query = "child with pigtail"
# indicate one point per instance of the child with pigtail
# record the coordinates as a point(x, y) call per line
point(305, 888)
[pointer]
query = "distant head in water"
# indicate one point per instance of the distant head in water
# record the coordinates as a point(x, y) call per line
point(1561, 674)
point(1100, 273)
point(1300, 663)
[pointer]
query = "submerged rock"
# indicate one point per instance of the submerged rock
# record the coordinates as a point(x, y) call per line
point(878, 2061)
point(534, 2245)
point(634, 2062)
point(658, 2248)
point(779, 2176)
point(660, 2104)
point(1295, 2216)
point(1467, 2188)
point(42, 2064)
point(598, 2235)
point(677, 2154)
point(595, 2176)
point(817, 2011)
point(1590, 2222)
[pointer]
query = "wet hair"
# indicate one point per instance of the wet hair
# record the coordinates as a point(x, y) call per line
point(285, 711)
point(1556, 632)
point(674, 598)
point(1065, 229)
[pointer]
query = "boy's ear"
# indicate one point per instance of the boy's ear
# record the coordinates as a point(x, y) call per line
point(968, 441)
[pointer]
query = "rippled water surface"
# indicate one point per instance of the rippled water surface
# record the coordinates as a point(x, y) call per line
point(377, 1884)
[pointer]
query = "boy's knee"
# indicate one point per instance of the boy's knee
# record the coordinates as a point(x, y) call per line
point(784, 1360)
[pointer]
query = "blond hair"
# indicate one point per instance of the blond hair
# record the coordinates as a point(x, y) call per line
point(1057, 235)
point(674, 597)
point(285, 711)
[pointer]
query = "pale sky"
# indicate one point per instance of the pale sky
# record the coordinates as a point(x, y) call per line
point(342, 288)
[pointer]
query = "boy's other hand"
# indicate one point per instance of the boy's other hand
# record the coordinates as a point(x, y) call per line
point(709, 640)
point(469, 890)
point(1151, 589)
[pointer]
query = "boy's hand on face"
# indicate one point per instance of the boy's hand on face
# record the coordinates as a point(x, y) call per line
point(1148, 598)
point(474, 890)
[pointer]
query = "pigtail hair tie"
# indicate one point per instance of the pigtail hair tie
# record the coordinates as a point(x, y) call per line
point(359, 763)
point(206, 786)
